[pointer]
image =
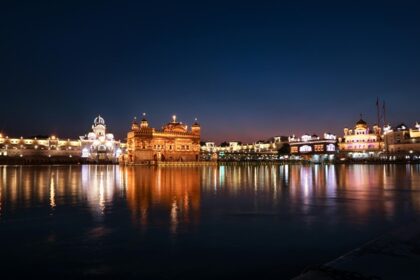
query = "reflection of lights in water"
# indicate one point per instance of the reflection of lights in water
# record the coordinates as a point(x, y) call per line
point(286, 174)
point(215, 179)
point(3, 185)
point(174, 216)
point(179, 194)
point(101, 193)
point(316, 172)
point(255, 179)
point(305, 177)
point(331, 183)
point(221, 176)
point(99, 184)
point(52, 192)
point(159, 181)
point(274, 175)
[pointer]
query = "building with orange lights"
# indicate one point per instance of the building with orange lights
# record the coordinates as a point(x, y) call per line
point(174, 142)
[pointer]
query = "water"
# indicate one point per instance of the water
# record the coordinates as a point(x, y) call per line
point(267, 222)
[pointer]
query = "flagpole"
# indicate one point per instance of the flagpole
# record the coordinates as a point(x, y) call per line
point(377, 110)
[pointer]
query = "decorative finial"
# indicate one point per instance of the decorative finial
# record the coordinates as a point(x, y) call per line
point(195, 119)
point(144, 114)
point(174, 118)
point(361, 116)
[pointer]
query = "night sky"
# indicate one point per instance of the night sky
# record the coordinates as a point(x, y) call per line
point(248, 70)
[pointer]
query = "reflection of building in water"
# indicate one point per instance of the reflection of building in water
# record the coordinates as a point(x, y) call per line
point(23, 187)
point(159, 195)
point(361, 142)
point(99, 185)
point(313, 147)
point(173, 143)
point(98, 145)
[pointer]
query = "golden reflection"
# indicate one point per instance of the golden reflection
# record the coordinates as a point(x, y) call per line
point(174, 215)
point(52, 192)
point(174, 190)
point(172, 195)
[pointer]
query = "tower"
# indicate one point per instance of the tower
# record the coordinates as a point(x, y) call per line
point(99, 126)
point(144, 123)
point(134, 124)
point(195, 128)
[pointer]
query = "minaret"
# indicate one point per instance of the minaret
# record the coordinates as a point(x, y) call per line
point(134, 124)
point(144, 123)
point(195, 128)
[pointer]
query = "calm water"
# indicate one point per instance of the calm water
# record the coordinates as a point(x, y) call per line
point(195, 222)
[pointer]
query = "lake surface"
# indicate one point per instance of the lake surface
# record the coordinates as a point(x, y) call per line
point(207, 222)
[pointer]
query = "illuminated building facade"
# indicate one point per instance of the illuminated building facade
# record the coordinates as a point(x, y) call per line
point(261, 150)
point(174, 142)
point(97, 146)
point(30, 150)
point(313, 147)
point(361, 142)
point(402, 142)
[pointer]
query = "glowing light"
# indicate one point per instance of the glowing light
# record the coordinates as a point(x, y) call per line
point(305, 149)
point(52, 192)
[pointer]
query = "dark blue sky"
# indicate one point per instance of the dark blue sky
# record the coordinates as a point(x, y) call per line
point(247, 69)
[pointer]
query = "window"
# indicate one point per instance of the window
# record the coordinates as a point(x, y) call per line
point(305, 149)
point(319, 148)
point(330, 147)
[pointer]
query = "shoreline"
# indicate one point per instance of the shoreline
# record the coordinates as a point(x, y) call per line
point(213, 163)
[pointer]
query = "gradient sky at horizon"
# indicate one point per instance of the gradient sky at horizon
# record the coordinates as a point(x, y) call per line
point(248, 70)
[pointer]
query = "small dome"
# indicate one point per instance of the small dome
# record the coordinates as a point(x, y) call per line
point(196, 124)
point(109, 136)
point(401, 127)
point(91, 136)
point(175, 127)
point(99, 120)
point(361, 122)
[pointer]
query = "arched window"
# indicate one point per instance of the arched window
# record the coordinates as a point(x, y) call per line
point(305, 149)
point(330, 147)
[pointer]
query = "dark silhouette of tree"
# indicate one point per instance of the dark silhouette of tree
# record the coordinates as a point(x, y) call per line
point(284, 150)
point(224, 144)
